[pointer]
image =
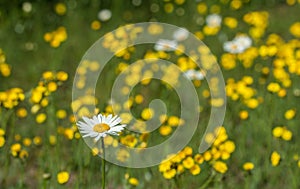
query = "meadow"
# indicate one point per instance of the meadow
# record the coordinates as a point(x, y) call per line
point(45, 59)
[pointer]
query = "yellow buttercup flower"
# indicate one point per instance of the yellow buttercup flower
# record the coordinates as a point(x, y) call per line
point(147, 113)
point(277, 132)
point(273, 87)
point(169, 174)
point(188, 162)
point(52, 140)
point(244, 114)
point(41, 118)
point(61, 114)
point(195, 170)
point(287, 135)
point(27, 142)
point(275, 158)
point(2, 141)
point(230, 22)
point(60, 9)
point(2, 132)
point(63, 177)
point(295, 29)
point(173, 121)
point(21, 112)
point(37, 140)
point(248, 166)
point(290, 114)
point(220, 167)
point(95, 25)
point(133, 181)
point(15, 149)
point(165, 130)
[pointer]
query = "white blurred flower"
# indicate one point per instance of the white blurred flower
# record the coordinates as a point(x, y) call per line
point(27, 7)
point(238, 45)
point(194, 75)
point(165, 45)
point(181, 34)
point(232, 47)
point(213, 20)
point(243, 40)
point(104, 15)
point(100, 126)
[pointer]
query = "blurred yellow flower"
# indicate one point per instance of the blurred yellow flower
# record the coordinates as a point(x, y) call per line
point(220, 167)
point(27, 142)
point(62, 76)
point(15, 149)
point(248, 166)
point(290, 114)
point(133, 181)
point(147, 113)
point(173, 121)
point(41, 118)
point(201, 8)
point(52, 140)
point(52, 86)
point(169, 174)
point(169, 7)
point(287, 135)
point(2, 132)
point(230, 22)
point(277, 131)
point(62, 177)
point(195, 170)
point(60, 9)
point(243, 114)
point(295, 29)
point(275, 158)
point(139, 99)
point(21, 112)
point(188, 162)
point(2, 141)
point(37, 140)
point(61, 114)
point(23, 154)
point(165, 130)
point(273, 87)
point(95, 25)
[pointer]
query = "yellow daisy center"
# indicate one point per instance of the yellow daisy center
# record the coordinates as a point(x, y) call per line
point(101, 127)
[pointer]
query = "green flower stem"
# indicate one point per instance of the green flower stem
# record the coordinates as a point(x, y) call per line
point(208, 180)
point(103, 165)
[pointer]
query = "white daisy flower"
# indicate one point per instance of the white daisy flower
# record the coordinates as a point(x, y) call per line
point(181, 34)
point(194, 75)
point(213, 20)
point(243, 40)
point(27, 7)
point(104, 15)
point(233, 47)
point(165, 45)
point(238, 45)
point(100, 126)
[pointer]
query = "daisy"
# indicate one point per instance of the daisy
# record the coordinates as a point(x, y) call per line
point(233, 47)
point(238, 45)
point(165, 45)
point(243, 40)
point(100, 126)
point(181, 34)
point(194, 75)
point(104, 15)
point(213, 20)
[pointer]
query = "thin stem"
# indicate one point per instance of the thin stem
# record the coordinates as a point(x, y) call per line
point(103, 165)
point(208, 181)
